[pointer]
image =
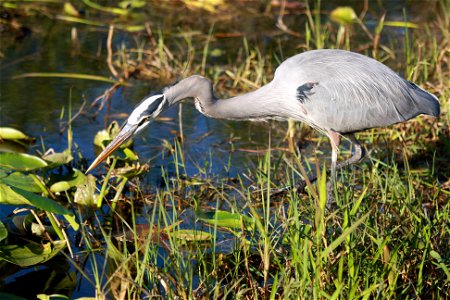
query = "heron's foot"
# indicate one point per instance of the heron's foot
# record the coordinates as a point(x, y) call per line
point(299, 188)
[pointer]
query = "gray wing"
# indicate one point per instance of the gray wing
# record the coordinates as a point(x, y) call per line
point(346, 92)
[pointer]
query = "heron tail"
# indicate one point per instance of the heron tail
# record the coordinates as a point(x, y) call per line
point(427, 102)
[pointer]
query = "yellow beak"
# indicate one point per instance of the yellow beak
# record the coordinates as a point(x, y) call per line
point(126, 132)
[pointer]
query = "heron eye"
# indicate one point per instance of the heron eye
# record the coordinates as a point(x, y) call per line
point(143, 120)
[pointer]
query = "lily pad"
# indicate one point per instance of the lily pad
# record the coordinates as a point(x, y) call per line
point(86, 192)
point(131, 171)
point(190, 235)
point(21, 162)
point(22, 181)
point(16, 196)
point(104, 137)
point(12, 146)
point(26, 225)
point(3, 231)
point(58, 158)
point(7, 133)
point(31, 253)
point(68, 181)
point(225, 219)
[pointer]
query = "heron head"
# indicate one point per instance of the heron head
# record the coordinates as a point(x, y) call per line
point(139, 118)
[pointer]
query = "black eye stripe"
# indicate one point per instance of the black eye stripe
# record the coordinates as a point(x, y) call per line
point(153, 106)
point(150, 107)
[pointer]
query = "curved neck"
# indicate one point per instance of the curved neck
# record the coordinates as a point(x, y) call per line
point(262, 103)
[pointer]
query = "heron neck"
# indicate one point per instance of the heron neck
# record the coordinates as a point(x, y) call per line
point(262, 103)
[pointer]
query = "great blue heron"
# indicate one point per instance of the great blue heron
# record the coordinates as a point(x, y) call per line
point(336, 92)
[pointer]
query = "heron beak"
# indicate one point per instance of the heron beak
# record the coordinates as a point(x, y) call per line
point(127, 131)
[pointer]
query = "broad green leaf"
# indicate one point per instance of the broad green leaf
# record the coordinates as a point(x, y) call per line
point(343, 15)
point(21, 162)
point(26, 225)
point(58, 158)
point(31, 253)
point(22, 181)
point(72, 221)
point(7, 133)
point(104, 137)
point(225, 219)
point(86, 192)
point(68, 181)
point(3, 231)
point(129, 154)
point(189, 235)
point(16, 196)
point(12, 146)
point(131, 171)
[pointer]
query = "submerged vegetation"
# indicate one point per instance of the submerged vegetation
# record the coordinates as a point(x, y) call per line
point(201, 229)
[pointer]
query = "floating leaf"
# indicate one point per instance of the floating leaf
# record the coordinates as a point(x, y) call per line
point(190, 235)
point(26, 225)
point(21, 161)
point(7, 133)
point(131, 171)
point(12, 146)
point(105, 136)
point(102, 138)
point(58, 158)
point(31, 253)
point(129, 154)
point(22, 181)
point(86, 192)
point(15, 196)
point(68, 181)
point(225, 219)
point(343, 15)
point(3, 231)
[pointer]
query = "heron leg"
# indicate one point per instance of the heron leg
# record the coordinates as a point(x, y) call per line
point(358, 153)
point(335, 140)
